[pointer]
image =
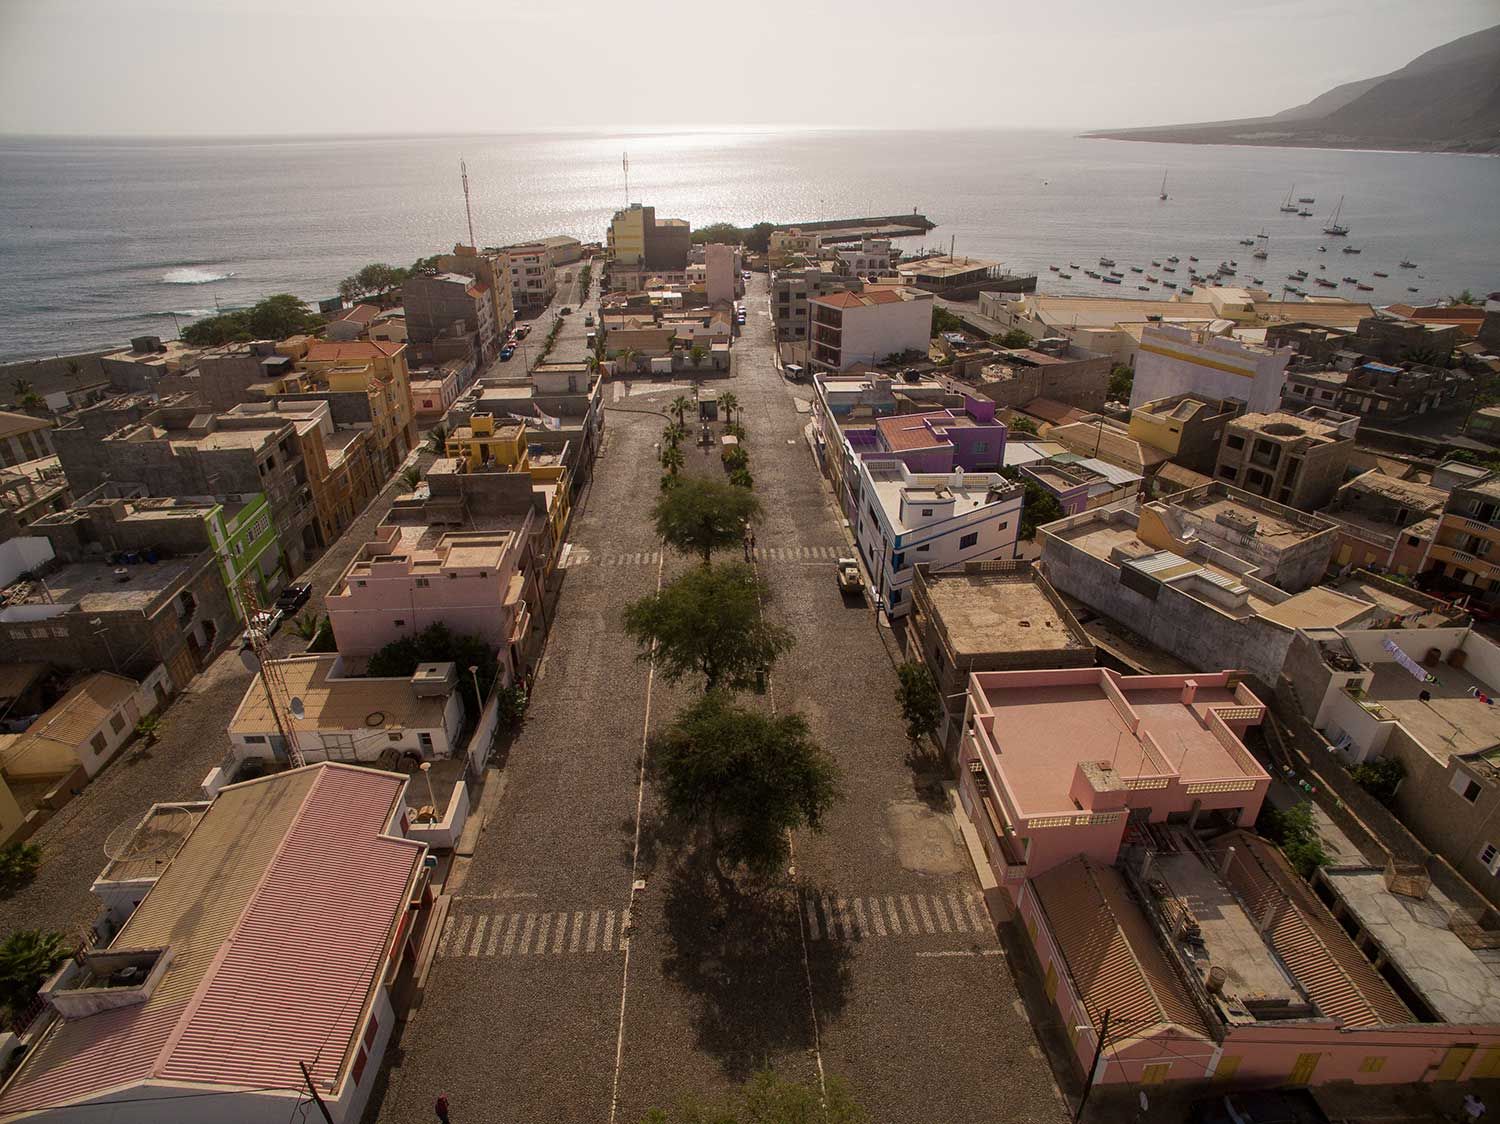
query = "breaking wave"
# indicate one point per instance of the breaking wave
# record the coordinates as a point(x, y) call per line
point(193, 276)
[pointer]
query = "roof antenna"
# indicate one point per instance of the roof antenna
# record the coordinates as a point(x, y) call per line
point(625, 164)
point(463, 174)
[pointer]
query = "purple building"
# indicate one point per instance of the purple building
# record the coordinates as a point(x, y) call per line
point(935, 440)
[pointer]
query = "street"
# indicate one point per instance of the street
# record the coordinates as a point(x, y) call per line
point(586, 974)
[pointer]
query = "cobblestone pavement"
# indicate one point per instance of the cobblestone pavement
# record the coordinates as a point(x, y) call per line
point(876, 962)
point(191, 742)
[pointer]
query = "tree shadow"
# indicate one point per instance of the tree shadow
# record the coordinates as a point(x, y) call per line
point(740, 956)
point(929, 771)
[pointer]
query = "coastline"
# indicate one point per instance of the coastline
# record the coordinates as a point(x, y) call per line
point(1321, 144)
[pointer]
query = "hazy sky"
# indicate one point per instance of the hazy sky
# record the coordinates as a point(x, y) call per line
point(224, 67)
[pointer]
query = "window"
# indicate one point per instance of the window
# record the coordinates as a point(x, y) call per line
point(968, 540)
point(425, 741)
point(360, 1061)
point(371, 1028)
point(59, 630)
point(339, 747)
point(400, 623)
point(254, 739)
point(925, 511)
point(1234, 442)
point(116, 723)
point(393, 736)
point(1412, 540)
point(922, 549)
point(98, 742)
point(1490, 857)
point(1465, 786)
point(1228, 472)
point(1004, 523)
point(1155, 1074)
point(1372, 1064)
point(423, 583)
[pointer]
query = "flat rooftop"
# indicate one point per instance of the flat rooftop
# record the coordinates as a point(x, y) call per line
point(967, 497)
point(1385, 595)
point(1044, 733)
point(943, 267)
point(1284, 425)
point(156, 840)
point(1461, 984)
point(1318, 607)
point(371, 705)
point(1451, 721)
point(984, 613)
point(1271, 529)
point(98, 587)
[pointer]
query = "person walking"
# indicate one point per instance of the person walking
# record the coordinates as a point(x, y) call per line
point(441, 1108)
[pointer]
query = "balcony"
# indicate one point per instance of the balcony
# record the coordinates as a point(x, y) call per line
point(1471, 562)
point(1452, 521)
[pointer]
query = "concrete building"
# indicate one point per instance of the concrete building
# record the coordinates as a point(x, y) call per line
point(492, 269)
point(1383, 394)
point(1100, 438)
point(1083, 483)
point(1175, 360)
point(23, 438)
point(1054, 370)
point(562, 249)
point(1464, 543)
point(1293, 459)
point(356, 720)
point(1193, 599)
point(450, 315)
point(533, 273)
point(637, 239)
point(785, 245)
point(84, 729)
point(903, 518)
point(988, 616)
point(31, 491)
point(196, 998)
point(366, 385)
point(1385, 523)
point(125, 616)
point(871, 258)
point(1189, 429)
point(951, 276)
point(1397, 340)
point(351, 323)
point(722, 273)
point(867, 327)
point(1314, 388)
point(791, 288)
point(433, 393)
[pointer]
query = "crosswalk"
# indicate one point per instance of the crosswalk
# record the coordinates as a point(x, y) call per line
point(578, 932)
point(575, 556)
point(832, 917)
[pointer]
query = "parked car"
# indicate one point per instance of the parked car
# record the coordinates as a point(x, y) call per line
point(265, 622)
point(293, 597)
point(522, 331)
point(506, 352)
point(567, 310)
point(588, 321)
point(848, 576)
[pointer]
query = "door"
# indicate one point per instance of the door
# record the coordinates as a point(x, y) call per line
point(1050, 986)
point(1489, 1064)
point(1302, 1072)
point(1453, 1063)
point(1228, 1066)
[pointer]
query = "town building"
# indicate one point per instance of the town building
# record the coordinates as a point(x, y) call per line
point(988, 616)
point(1314, 388)
point(1188, 428)
point(1384, 394)
point(1391, 339)
point(1083, 483)
point(1467, 533)
point(1295, 459)
point(867, 327)
point(785, 245)
point(433, 392)
point(197, 999)
point(83, 730)
point(562, 249)
point(1175, 360)
point(450, 315)
point(366, 385)
point(23, 438)
point(390, 326)
point(533, 273)
point(126, 615)
point(29, 491)
point(351, 323)
point(871, 258)
point(791, 288)
point(721, 265)
point(356, 720)
point(903, 517)
point(638, 239)
point(1385, 523)
point(492, 269)
point(1101, 438)
point(1052, 369)
point(947, 275)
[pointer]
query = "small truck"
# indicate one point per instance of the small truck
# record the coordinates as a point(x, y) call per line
point(848, 576)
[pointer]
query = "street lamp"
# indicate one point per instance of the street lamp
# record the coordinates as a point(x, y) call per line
point(103, 634)
point(426, 768)
point(474, 673)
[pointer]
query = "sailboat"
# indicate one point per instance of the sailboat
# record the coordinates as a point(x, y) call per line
point(1164, 185)
point(1286, 204)
point(1261, 251)
point(1333, 226)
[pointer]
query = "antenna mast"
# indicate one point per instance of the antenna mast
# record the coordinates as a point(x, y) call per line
point(463, 174)
point(277, 695)
point(625, 163)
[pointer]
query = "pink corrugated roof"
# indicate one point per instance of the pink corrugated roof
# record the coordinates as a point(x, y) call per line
point(909, 431)
point(289, 983)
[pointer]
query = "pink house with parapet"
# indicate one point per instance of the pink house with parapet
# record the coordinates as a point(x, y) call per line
point(1177, 945)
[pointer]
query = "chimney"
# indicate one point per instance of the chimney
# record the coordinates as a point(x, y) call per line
point(1189, 691)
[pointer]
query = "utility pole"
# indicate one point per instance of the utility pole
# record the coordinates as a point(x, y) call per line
point(625, 163)
point(463, 174)
point(313, 1089)
point(1088, 1086)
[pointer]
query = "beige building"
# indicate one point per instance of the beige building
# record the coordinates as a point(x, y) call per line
point(83, 729)
point(533, 274)
point(488, 266)
point(787, 244)
point(1293, 459)
point(1188, 428)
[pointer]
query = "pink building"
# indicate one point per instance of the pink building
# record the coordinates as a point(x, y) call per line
point(1108, 806)
point(412, 575)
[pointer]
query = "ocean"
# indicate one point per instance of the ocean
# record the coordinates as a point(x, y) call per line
point(101, 240)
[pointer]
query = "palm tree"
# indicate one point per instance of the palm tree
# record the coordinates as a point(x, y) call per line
point(672, 459)
point(27, 957)
point(626, 360)
point(22, 387)
point(730, 404)
point(411, 477)
point(674, 434)
point(680, 406)
point(1465, 297)
point(437, 438)
point(697, 355)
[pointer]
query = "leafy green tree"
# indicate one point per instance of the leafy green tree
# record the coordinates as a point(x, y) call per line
point(27, 958)
point(769, 1099)
point(734, 456)
point(708, 622)
point(437, 643)
point(674, 434)
point(921, 705)
point(1294, 830)
point(22, 387)
point(680, 406)
point(730, 404)
point(31, 400)
point(1121, 380)
point(148, 728)
point(697, 354)
point(626, 359)
point(672, 458)
point(1465, 296)
point(1016, 338)
point(1380, 777)
point(745, 777)
point(437, 439)
point(702, 515)
point(741, 478)
point(1038, 508)
point(275, 318)
point(1021, 424)
point(19, 862)
point(306, 626)
point(944, 321)
point(411, 476)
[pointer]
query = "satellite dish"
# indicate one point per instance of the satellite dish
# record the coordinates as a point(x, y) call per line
point(156, 835)
point(249, 659)
point(298, 710)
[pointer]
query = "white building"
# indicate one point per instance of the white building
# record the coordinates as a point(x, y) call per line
point(533, 274)
point(872, 257)
point(1178, 360)
point(867, 327)
point(903, 518)
point(722, 272)
point(790, 291)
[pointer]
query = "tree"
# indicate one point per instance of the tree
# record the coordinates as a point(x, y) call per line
point(921, 705)
point(674, 434)
point(730, 404)
point(1038, 508)
point(148, 728)
point(411, 476)
point(1015, 338)
point(741, 478)
point(1293, 829)
point(745, 777)
point(437, 643)
point(275, 317)
point(680, 406)
point(626, 360)
point(944, 321)
point(23, 387)
point(708, 622)
point(697, 354)
point(374, 280)
point(19, 862)
point(703, 515)
point(734, 456)
point(1463, 297)
point(672, 458)
point(27, 957)
point(1121, 379)
point(1021, 424)
point(437, 439)
point(1380, 777)
point(31, 400)
point(769, 1099)
point(75, 372)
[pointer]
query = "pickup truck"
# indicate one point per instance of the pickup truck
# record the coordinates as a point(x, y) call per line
point(848, 575)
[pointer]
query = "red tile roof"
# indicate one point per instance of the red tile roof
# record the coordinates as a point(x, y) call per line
point(360, 313)
point(859, 300)
point(281, 909)
point(909, 431)
point(1051, 410)
point(329, 351)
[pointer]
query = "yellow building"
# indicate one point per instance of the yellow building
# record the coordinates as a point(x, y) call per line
point(484, 444)
point(376, 369)
point(627, 236)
